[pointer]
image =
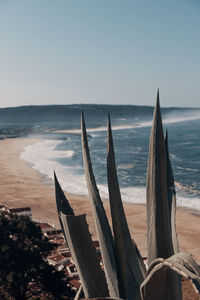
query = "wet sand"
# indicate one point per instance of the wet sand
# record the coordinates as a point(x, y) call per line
point(21, 185)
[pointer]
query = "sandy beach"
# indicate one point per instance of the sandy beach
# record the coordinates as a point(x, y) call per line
point(23, 186)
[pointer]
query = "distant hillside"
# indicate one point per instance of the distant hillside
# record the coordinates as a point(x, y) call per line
point(25, 120)
point(59, 113)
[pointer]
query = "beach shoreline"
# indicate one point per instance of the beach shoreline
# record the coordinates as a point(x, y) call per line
point(21, 185)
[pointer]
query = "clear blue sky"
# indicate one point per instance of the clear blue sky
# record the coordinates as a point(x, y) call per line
point(99, 51)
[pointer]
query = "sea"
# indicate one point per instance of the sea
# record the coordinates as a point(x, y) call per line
point(59, 146)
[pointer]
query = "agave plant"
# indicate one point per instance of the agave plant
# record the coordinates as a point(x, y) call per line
point(78, 238)
point(126, 275)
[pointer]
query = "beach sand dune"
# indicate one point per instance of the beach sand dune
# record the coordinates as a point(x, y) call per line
point(21, 185)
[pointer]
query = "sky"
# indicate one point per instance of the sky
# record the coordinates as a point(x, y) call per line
point(99, 51)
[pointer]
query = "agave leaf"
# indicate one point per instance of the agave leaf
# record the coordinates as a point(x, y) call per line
point(79, 293)
point(185, 263)
point(62, 203)
point(100, 218)
point(77, 236)
point(159, 240)
point(171, 198)
point(84, 256)
point(61, 200)
point(130, 266)
point(159, 282)
point(172, 214)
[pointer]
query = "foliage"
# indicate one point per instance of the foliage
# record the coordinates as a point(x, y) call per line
point(24, 271)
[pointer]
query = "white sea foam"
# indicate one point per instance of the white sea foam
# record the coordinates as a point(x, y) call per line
point(44, 150)
point(193, 203)
point(125, 166)
point(42, 154)
point(131, 125)
point(133, 194)
point(181, 119)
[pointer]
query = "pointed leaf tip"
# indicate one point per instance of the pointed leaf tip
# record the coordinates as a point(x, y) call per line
point(83, 128)
point(109, 124)
point(55, 177)
point(82, 117)
point(157, 118)
point(61, 200)
point(158, 99)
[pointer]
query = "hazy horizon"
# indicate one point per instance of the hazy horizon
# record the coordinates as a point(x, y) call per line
point(100, 104)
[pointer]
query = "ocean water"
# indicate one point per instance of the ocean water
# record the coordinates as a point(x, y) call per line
point(60, 149)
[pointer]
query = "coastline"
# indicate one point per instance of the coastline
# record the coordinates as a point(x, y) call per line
point(21, 185)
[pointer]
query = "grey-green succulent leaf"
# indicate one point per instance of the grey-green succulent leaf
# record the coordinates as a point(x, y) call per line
point(61, 200)
point(159, 240)
point(79, 293)
point(130, 265)
point(184, 262)
point(84, 256)
point(100, 218)
point(159, 283)
point(77, 236)
point(62, 203)
point(171, 198)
